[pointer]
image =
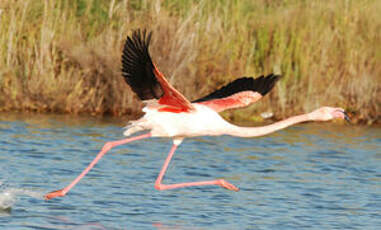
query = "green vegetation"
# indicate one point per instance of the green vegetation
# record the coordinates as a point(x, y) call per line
point(64, 55)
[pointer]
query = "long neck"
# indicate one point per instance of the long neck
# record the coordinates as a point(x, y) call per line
point(264, 130)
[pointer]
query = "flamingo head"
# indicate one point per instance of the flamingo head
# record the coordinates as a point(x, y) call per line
point(328, 113)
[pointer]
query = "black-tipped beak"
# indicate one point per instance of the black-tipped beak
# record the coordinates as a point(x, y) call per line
point(346, 117)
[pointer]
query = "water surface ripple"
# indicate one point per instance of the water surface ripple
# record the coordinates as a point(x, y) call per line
point(312, 176)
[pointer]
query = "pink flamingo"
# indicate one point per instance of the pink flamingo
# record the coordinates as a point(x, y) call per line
point(169, 114)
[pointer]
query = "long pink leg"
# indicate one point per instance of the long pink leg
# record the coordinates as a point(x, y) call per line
point(105, 149)
point(160, 186)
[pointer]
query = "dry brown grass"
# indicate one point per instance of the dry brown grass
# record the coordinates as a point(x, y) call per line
point(64, 56)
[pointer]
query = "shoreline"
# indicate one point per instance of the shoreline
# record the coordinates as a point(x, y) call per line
point(123, 119)
point(57, 57)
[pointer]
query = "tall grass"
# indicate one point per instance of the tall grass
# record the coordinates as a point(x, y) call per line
point(64, 55)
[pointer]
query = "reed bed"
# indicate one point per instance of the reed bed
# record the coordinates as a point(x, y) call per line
point(63, 56)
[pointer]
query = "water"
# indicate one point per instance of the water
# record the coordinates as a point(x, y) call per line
point(312, 176)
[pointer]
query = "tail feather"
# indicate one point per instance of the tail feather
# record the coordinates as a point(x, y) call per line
point(133, 127)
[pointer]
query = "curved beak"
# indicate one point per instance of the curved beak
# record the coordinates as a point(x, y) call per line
point(346, 117)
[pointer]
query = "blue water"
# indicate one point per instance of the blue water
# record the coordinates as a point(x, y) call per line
point(311, 176)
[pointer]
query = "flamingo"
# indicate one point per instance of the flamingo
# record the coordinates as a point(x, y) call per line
point(169, 114)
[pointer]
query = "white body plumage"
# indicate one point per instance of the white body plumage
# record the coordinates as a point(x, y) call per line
point(203, 121)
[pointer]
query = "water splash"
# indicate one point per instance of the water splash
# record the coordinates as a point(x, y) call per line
point(8, 196)
point(7, 199)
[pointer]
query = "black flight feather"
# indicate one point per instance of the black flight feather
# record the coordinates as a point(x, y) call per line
point(137, 66)
point(261, 85)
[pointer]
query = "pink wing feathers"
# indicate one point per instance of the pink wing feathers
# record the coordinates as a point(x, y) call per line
point(148, 82)
point(145, 79)
point(239, 93)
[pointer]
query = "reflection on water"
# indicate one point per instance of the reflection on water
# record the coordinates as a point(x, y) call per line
point(312, 176)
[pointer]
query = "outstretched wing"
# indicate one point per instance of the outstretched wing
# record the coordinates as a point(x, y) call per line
point(239, 93)
point(145, 79)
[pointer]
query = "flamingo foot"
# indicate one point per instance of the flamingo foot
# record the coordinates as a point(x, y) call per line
point(54, 194)
point(227, 185)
